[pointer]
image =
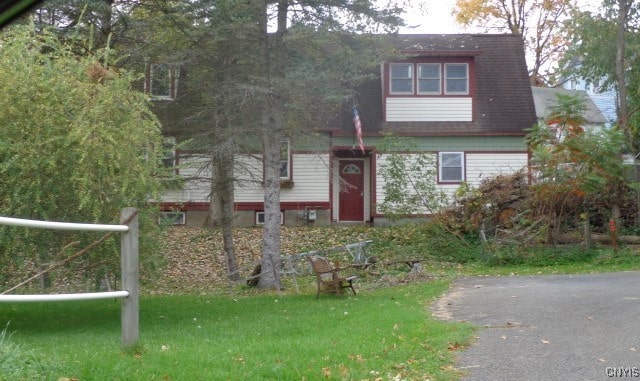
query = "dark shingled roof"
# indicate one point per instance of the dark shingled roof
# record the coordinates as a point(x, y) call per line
point(502, 99)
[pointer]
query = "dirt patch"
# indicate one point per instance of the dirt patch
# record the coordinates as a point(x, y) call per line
point(441, 307)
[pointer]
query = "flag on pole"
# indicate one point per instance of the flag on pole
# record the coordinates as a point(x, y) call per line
point(358, 126)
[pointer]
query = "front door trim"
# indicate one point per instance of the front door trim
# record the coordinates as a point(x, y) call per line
point(351, 196)
point(365, 167)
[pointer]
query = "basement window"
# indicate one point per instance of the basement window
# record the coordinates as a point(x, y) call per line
point(260, 218)
point(172, 218)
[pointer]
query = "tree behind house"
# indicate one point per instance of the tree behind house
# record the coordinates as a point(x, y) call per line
point(574, 165)
point(538, 21)
point(605, 46)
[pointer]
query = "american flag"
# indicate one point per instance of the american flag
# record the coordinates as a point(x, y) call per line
point(358, 126)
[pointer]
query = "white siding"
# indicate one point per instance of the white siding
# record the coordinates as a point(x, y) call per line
point(380, 183)
point(249, 172)
point(479, 167)
point(448, 109)
point(310, 179)
point(195, 171)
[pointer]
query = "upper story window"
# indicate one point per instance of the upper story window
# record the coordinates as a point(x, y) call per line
point(431, 78)
point(401, 78)
point(456, 78)
point(161, 81)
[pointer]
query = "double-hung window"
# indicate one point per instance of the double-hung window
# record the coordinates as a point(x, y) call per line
point(285, 160)
point(429, 78)
point(451, 167)
point(401, 78)
point(169, 156)
point(162, 81)
point(285, 170)
point(457, 78)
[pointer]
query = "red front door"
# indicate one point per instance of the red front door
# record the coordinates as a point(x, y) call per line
point(351, 190)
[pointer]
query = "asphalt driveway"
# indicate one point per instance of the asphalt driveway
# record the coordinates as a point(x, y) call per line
point(551, 327)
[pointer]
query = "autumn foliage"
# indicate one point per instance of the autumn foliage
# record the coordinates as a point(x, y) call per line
point(577, 177)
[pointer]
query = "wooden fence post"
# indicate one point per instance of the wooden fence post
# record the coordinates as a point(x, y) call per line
point(129, 267)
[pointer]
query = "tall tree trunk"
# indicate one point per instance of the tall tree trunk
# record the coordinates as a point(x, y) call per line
point(272, 135)
point(621, 82)
point(271, 138)
point(221, 208)
point(107, 23)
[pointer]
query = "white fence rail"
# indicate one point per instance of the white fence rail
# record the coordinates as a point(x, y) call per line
point(129, 264)
point(63, 297)
point(62, 225)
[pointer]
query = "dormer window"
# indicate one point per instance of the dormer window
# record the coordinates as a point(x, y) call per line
point(161, 81)
point(457, 78)
point(429, 78)
point(401, 78)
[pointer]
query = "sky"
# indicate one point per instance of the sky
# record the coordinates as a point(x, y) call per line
point(434, 16)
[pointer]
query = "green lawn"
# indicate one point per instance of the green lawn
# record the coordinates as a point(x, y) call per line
point(385, 333)
point(380, 334)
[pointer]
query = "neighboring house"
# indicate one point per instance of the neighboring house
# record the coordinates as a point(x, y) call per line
point(604, 100)
point(465, 99)
point(545, 98)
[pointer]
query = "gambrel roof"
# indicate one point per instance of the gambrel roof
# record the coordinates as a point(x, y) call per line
point(502, 103)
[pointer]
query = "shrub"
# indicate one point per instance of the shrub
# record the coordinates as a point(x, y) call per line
point(426, 240)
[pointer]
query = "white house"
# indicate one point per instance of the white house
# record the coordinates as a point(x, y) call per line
point(465, 99)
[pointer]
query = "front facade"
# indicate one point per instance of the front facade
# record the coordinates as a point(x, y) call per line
point(464, 99)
